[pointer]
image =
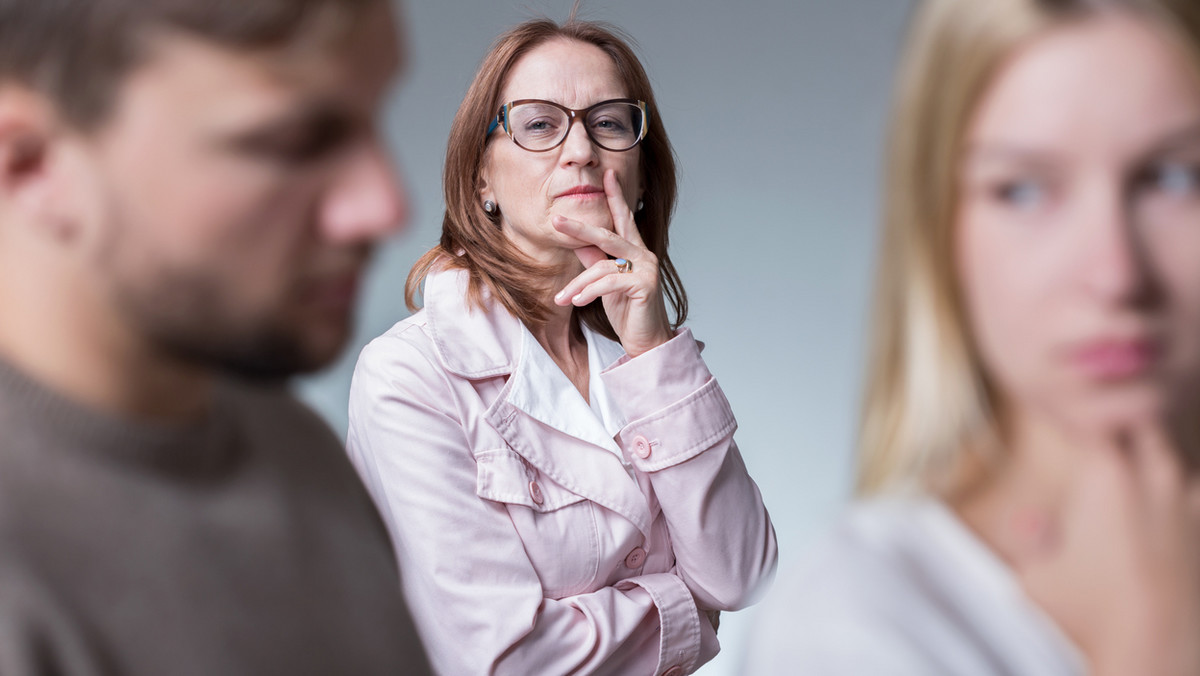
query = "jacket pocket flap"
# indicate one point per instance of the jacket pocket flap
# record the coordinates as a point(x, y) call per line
point(504, 476)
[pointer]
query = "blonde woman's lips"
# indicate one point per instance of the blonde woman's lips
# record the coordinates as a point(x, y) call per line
point(1110, 359)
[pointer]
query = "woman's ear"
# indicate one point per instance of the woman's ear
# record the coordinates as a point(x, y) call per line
point(485, 186)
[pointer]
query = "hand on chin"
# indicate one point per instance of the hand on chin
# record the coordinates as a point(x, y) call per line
point(592, 212)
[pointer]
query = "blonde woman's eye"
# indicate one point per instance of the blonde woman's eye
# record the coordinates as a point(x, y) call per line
point(1021, 194)
point(1176, 179)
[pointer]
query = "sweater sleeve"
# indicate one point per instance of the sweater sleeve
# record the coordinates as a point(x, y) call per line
point(681, 436)
point(473, 590)
point(37, 636)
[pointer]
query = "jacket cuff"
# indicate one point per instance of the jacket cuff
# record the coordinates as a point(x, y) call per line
point(676, 407)
point(655, 379)
point(679, 622)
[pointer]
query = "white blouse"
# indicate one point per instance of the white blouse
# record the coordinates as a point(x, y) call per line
point(903, 588)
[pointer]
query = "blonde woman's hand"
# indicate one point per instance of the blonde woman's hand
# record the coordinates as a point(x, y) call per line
point(1119, 567)
point(632, 300)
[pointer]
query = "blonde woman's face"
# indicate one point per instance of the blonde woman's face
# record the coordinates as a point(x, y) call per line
point(1078, 231)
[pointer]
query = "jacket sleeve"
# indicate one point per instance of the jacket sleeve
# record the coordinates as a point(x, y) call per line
point(472, 589)
point(681, 436)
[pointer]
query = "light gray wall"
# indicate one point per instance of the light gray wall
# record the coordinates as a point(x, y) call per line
point(776, 109)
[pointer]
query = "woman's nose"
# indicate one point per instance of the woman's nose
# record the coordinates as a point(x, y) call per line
point(1114, 264)
point(577, 147)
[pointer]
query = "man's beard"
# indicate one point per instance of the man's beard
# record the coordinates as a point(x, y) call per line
point(187, 317)
point(267, 355)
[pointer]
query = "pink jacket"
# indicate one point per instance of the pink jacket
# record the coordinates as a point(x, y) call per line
point(532, 543)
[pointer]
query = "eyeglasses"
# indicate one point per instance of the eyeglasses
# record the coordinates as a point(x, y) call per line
point(538, 126)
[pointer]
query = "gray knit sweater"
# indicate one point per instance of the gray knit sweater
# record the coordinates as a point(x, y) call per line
point(242, 544)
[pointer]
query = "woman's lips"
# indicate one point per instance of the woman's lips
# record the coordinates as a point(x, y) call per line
point(581, 192)
point(1116, 359)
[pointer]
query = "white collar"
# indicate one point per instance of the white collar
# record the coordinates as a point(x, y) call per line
point(538, 387)
point(475, 343)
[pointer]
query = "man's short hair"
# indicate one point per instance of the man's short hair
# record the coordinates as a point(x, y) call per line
point(76, 52)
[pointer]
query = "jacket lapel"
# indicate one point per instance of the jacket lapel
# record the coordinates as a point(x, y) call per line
point(544, 425)
point(580, 467)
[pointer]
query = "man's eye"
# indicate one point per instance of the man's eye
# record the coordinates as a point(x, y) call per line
point(299, 145)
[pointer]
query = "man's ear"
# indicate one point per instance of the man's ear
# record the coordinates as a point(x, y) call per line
point(31, 171)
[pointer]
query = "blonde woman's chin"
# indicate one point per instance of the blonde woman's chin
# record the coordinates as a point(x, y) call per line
point(1104, 411)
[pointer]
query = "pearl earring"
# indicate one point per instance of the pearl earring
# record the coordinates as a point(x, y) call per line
point(490, 207)
point(640, 205)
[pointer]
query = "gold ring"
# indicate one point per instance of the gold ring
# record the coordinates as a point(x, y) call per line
point(623, 265)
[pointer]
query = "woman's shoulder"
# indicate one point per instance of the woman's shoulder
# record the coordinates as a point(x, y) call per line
point(412, 330)
point(874, 553)
point(892, 558)
point(404, 350)
point(901, 586)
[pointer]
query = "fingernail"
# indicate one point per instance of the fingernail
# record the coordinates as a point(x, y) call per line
point(577, 298)
point(559, 295)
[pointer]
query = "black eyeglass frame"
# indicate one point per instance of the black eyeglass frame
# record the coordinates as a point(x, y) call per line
point(501, 120)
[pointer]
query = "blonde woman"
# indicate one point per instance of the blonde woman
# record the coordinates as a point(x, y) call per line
point(1031, 410)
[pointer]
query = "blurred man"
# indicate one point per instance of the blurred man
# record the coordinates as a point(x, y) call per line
point(189, 190)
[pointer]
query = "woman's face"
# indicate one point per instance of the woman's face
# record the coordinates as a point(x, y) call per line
point(1078, 231)
point(533, 187)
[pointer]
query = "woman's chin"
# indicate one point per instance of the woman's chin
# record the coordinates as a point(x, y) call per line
point(1113, 409)
point(591, 211)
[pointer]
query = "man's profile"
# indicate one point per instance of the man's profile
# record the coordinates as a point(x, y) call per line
point(189, 191)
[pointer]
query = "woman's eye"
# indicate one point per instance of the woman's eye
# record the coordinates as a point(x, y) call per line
point(608, 124)
point(1020, 194)
point(1176, 179)
point(539, 126)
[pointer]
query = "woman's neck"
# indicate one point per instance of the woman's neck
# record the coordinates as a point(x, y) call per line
point(563, 340)
point(1024, 490)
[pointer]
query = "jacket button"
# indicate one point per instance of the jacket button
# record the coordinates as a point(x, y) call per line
point(535, 492)
point(636, 558)
point(641, 447)
point(674, 671)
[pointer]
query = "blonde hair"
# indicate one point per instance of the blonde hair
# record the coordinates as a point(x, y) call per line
point(930, 419)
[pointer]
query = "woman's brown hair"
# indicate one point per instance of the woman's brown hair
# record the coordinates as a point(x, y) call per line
point(472, 241)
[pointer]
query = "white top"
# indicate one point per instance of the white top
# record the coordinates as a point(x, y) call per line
point(546, 394)
point(902, 587)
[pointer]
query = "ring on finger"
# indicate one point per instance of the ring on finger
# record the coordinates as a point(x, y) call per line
point(623, 265)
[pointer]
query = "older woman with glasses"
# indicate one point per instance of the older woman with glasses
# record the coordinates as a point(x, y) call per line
point(553, 459)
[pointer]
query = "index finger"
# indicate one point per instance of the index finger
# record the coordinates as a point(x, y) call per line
point(1157, 459)
point(602, 238)
point(622, 217)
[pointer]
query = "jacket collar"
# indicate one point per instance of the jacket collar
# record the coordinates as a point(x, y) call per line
point(541, 390)
point(470, 342)
point(474, 343)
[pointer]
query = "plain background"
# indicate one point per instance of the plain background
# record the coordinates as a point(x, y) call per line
point(777, 110)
